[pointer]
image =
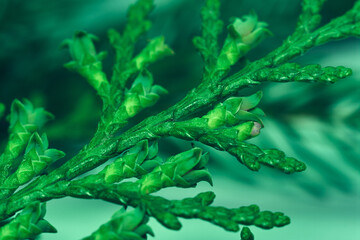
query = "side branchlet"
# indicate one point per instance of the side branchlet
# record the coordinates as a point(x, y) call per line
point(27, 224)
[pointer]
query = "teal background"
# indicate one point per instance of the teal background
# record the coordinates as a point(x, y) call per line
point(318, 124)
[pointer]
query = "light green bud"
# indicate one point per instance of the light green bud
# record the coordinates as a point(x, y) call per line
point(155, 50)
point(244, 34)
point(183, 170)
point(142, 94)
point(137, 161)
point(248, 130)
point(235, 110)
point(87, 62)
point(249, 30)
point(82, 48)
point(28, 117)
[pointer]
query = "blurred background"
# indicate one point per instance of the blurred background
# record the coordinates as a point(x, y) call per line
point(318, 124)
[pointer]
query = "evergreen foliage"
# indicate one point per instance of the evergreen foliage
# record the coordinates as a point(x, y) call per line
point(213, 113)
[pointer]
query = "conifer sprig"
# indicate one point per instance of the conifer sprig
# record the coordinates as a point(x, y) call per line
point(88, 63)
point(24, 121)
point(231, 119)
point(167, 211)
point(310, 16)
point(292, 72)
point(126, 65)
point(207, 43)
point(27, 224)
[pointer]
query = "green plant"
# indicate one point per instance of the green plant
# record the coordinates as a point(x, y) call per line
point(229, 121)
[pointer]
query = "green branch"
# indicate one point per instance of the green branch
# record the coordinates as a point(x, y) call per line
point(347, 25)
point(229, 122)
point(310, 16)
point(292, 72)
point(207, 43)
point(167, 211)
point(137, 25)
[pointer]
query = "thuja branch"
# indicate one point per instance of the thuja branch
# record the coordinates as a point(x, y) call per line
point(167, 211)
point(229, 122)
point(347, 25)
point(203, 96)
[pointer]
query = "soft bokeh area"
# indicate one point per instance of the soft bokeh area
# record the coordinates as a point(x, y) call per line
point(318, 124)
